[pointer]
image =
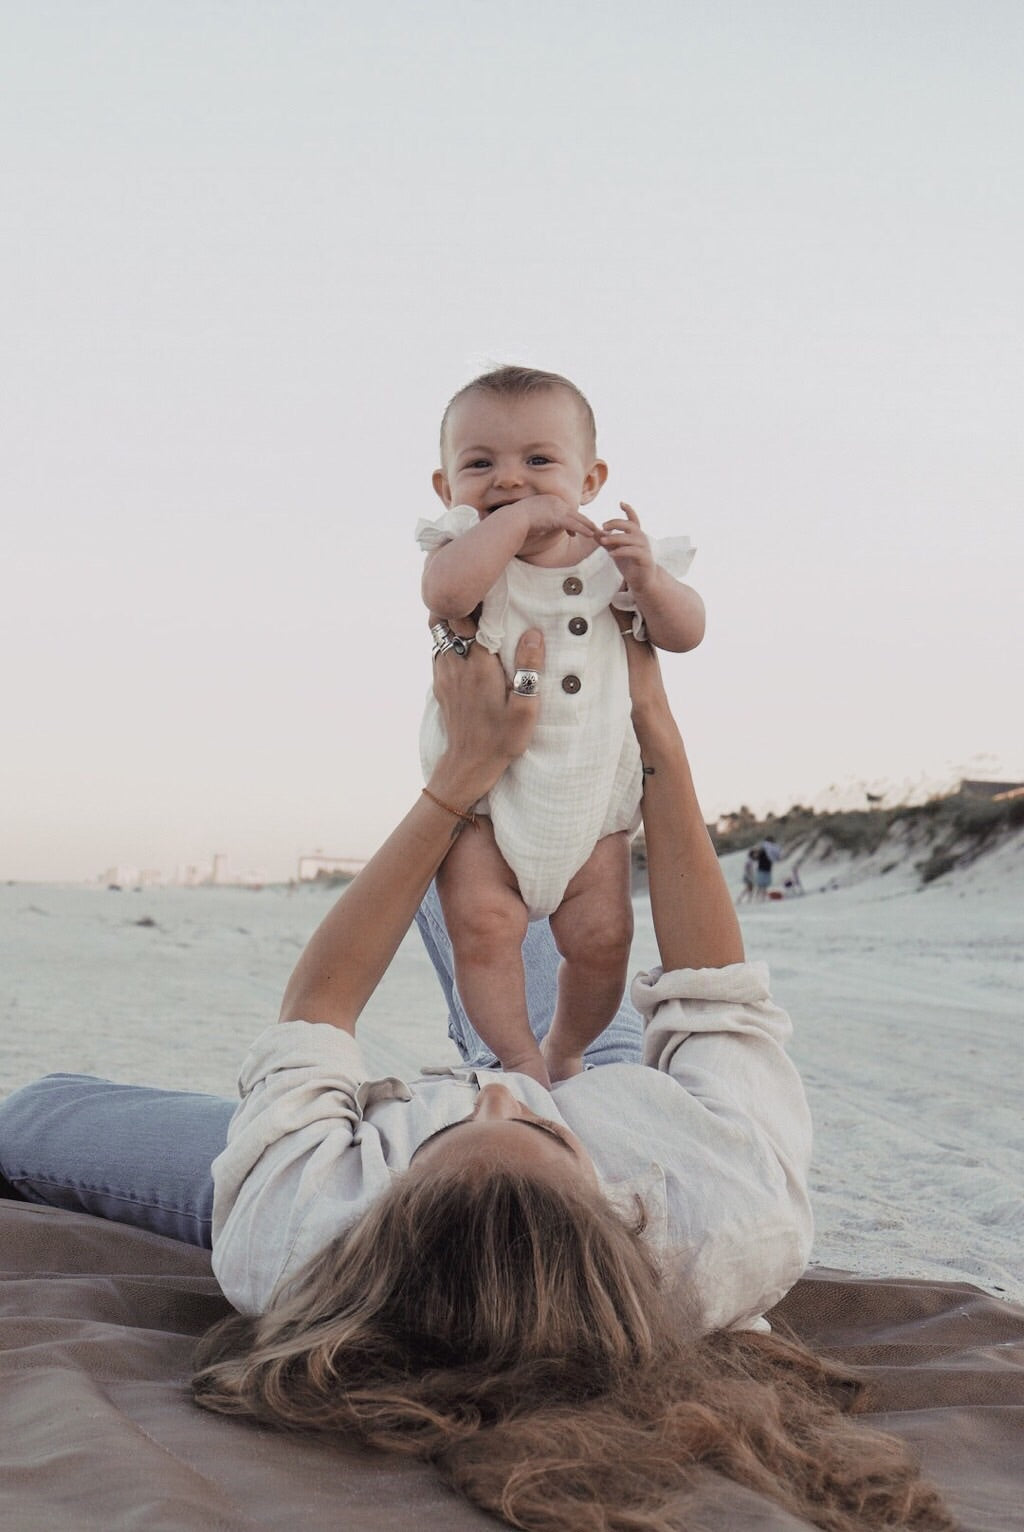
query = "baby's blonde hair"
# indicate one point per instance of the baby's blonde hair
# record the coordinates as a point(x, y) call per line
point(517, 383)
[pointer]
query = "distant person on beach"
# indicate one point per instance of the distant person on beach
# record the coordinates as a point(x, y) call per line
point(514, 547)
point(746, 893)
point(552, 1295)
point(763, 872)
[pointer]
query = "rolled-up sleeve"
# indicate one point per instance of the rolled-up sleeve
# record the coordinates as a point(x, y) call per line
point(721, 1038)
point(304, 1089)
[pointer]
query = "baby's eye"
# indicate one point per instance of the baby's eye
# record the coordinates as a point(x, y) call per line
point(478, 462)
point(538, 458)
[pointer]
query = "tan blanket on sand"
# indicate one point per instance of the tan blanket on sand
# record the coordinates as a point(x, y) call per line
point(97, 1430)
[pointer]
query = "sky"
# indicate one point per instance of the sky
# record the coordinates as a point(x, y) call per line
point(250, 249)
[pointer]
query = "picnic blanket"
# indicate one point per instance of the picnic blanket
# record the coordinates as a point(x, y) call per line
point(98, 1434)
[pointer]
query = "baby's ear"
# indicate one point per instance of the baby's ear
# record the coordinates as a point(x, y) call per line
point(593, 482)
point(442, 488)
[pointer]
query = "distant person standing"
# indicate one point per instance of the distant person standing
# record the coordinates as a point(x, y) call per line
point(763, 871)
point(746, 893)
point(773, 849)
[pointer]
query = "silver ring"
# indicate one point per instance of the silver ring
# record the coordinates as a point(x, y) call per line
point(526, 683)
point(439, 632)
point(443, 647)
point(462, 645)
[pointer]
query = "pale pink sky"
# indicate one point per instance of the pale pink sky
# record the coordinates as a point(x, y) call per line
point(251, 250)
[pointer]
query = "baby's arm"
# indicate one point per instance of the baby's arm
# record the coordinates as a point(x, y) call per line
point(459, 574)
point(673, 612)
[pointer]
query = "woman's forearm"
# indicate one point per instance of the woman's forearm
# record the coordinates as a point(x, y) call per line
point(487, 727)
point(694, 920)
point(348, 954)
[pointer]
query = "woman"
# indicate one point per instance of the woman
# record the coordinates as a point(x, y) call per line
point(538, 1291)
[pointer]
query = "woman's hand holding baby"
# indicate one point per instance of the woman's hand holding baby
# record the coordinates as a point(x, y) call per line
point(486, 724)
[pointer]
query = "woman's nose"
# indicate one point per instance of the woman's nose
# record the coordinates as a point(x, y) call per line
point(495, 1103)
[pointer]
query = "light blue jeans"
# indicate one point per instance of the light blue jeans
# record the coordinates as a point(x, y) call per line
point(142, 1156)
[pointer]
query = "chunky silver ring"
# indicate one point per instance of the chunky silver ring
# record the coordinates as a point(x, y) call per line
point(526, 683)
point(443, 645)
point(439, 631)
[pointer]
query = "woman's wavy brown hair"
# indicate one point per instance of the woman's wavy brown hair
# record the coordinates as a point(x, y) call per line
point(524, 1341)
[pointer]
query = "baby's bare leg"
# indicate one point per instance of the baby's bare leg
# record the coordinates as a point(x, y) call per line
point(593, 930)
point(486, 920)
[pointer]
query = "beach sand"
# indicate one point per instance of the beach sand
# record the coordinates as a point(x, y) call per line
point(907, 1004)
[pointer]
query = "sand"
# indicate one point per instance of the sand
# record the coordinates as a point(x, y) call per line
point(907, 1004)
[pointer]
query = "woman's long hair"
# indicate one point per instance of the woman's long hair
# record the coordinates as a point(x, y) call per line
point(523, 1340)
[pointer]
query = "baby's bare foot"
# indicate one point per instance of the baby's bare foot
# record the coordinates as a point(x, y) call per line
point(531, 1064)
point(561, 1066)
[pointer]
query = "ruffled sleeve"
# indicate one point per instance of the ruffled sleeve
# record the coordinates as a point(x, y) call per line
point(434, 534)
point(674, 555)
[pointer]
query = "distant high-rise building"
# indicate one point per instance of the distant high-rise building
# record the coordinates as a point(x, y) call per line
point(318, 865)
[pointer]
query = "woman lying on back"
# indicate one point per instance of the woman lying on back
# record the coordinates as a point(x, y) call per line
point(544, 1301)
point(552, 1295)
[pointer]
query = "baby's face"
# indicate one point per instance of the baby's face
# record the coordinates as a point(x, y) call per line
point(498, 450)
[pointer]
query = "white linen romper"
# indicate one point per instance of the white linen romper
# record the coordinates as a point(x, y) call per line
point(580, 778)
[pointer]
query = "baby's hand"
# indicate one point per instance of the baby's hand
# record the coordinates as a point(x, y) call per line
point(547, 514)
point(629, 547)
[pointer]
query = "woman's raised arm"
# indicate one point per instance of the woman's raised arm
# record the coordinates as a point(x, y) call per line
point(487, 726)
point(694, 920)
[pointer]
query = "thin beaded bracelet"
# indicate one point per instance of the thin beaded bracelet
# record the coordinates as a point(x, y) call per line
point(469, 819)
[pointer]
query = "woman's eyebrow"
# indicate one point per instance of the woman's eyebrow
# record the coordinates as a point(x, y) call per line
point(547, 1128)
point(437, 1134)
point(550, 1130)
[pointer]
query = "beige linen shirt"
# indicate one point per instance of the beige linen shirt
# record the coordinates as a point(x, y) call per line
point(712, 1130)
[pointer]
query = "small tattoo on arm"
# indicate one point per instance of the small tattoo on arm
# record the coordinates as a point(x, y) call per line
point(648, 771)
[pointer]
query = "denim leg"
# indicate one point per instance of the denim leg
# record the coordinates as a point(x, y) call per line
point(131, 1153)
point(619, 1043)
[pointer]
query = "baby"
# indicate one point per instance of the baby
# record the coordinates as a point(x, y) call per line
point(516, 550)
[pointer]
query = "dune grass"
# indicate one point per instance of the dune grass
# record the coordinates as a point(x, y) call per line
point(946, 832)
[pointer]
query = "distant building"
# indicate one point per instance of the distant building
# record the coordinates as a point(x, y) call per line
point(120, 876)
point(320, 866)
point(220, 868)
